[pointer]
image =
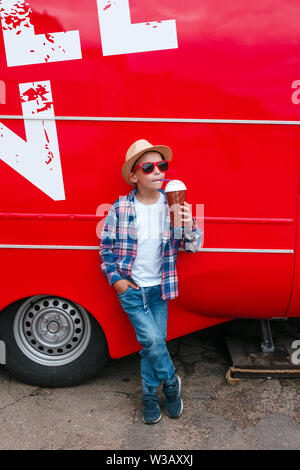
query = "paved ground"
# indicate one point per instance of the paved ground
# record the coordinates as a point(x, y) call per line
point(106, 414)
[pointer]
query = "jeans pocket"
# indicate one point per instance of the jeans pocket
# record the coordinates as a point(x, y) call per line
point(157, 287)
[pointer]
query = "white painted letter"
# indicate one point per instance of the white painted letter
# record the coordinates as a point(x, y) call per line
point(23, 47)
point(120, 36)
point(38, 159)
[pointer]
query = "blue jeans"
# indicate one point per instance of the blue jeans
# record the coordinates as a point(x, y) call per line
point(148, 314)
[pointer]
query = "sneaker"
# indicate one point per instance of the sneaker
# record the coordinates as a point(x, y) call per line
point(173, 402)
point(151, 409)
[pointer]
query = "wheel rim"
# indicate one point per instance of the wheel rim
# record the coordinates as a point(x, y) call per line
point(52, 330)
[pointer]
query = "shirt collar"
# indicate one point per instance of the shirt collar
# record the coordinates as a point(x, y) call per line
point(130, 196)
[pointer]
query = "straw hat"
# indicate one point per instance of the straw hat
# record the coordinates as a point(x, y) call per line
point(136, 150)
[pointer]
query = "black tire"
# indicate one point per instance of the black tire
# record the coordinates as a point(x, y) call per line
point(86, 366)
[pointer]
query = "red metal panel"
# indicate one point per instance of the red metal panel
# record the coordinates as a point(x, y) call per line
point(235, 60)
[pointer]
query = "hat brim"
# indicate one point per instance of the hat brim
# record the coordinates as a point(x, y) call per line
point(163, 149)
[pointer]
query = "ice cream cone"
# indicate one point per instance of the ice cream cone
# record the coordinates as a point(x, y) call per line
point(175, 192)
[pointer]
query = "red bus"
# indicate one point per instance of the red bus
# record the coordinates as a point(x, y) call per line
point(80, 82)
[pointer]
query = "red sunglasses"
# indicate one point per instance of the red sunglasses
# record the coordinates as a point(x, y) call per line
point(148, 167)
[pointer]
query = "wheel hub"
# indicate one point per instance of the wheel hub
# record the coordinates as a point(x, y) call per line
point(53, 326)
point(52, 330)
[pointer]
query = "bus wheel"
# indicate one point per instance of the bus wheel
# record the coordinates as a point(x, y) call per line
point(52, 342)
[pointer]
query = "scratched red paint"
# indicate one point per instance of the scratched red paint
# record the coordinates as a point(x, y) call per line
point(35, 93)
point(106, 7)
point(50, 156)
point(47, 106)
point(47, 138)
point(18, 17)
point(49, 37)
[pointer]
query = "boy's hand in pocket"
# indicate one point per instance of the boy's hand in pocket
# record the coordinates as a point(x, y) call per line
point(123, 284)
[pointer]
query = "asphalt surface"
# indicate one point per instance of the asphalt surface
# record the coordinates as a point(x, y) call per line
point(105, 413)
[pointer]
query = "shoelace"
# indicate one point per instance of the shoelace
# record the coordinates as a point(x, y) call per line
point(147, 398)
point(171, 392)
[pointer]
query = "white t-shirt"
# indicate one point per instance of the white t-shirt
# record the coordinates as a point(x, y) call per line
point(150, 221)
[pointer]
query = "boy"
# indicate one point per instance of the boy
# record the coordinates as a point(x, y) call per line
point(138, 249)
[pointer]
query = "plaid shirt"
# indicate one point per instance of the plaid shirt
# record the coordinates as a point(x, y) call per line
point(118, 245)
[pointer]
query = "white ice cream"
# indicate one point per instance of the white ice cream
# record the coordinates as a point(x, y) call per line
point(175, 185)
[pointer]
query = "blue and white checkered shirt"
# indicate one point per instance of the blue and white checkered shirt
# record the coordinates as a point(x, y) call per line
point(118, 245)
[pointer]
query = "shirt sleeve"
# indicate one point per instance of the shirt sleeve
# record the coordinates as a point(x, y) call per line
point(107, 244)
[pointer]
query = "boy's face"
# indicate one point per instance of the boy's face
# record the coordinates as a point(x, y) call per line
point(150, 181)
